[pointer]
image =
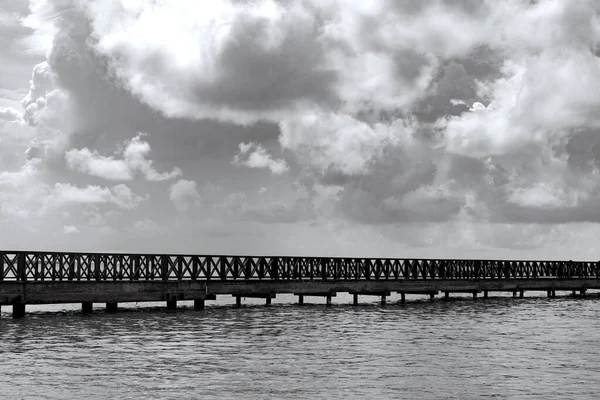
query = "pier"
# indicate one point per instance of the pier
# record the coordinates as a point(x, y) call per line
point(88, 278)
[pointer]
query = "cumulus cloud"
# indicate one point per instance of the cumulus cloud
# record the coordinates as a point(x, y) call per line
point(451, 114)
point(253, 155)
point(184, 195)
point(340, 142)
point(107, 167)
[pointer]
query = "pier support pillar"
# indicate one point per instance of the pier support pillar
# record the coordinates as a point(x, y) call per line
point(268, 301)
point(382, 301)
point(300, 300)
point(431, 297)
point(514, 294)
point(355, 299)
point(485, 294)
point(238, 301)
point(112, 307)
point(582, 292)
point(403, 298)
point(549, 292)
point(87, 307)
point(474, 295)
point(199, 304)
point(522, 294)
point(447, 296)
point(553, 293)
point(574, 293)
point(172, 304)
point(18, 309)
point(328, 301)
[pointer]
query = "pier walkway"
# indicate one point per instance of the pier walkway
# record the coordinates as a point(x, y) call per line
point(88, 278)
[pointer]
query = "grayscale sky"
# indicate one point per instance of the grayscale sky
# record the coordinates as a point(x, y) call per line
point(429, 128)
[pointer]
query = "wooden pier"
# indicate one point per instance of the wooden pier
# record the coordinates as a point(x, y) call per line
point(88, 278)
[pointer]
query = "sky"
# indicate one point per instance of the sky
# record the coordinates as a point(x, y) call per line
point(388, 128)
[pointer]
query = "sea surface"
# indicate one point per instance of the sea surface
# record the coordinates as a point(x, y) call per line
point(501, 348)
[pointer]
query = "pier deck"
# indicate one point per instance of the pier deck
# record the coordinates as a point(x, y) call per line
point(50, 277)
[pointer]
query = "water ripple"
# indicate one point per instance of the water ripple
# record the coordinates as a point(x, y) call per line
point(498, 348)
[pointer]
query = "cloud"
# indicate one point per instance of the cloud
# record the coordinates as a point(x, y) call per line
point(63, 194)
point(253, 155)
point(279, 212)
point(148, 227)
point(384, 115)
point(134, 160)
point(9, 114)
point(340, 142)
point(70, 229)
point(256, 61)
point(92, 163)
point(184, 195)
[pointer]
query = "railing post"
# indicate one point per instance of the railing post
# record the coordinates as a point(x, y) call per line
point(21, 267)
point(275, 268)
point(164, 267)
point(97, 267)
point(222, 269)
point(323, 263)
point(194, 268)
point(295, 263)
point(71, 267)
point(136, 269)
point(1, 266)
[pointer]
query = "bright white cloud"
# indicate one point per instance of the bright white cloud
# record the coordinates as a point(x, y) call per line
point(134, 159)
point(253, 155)
point(92, 163)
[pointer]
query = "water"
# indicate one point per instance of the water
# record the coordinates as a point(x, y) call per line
point(532, 348)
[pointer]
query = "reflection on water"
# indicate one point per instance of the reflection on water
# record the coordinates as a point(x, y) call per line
point(502, 348)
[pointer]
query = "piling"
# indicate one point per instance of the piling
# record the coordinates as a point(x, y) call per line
point(112, 307)
point(18, 309)
point(355, 299)
point(382, 301)
point(172, 303)
point(238, 301)
point(300, 300)
point(87, 307)
point(402, 297)
point(268, 301)
point(199, 304)
point(328, 301)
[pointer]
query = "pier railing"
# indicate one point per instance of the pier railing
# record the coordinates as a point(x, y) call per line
point(53, 266)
